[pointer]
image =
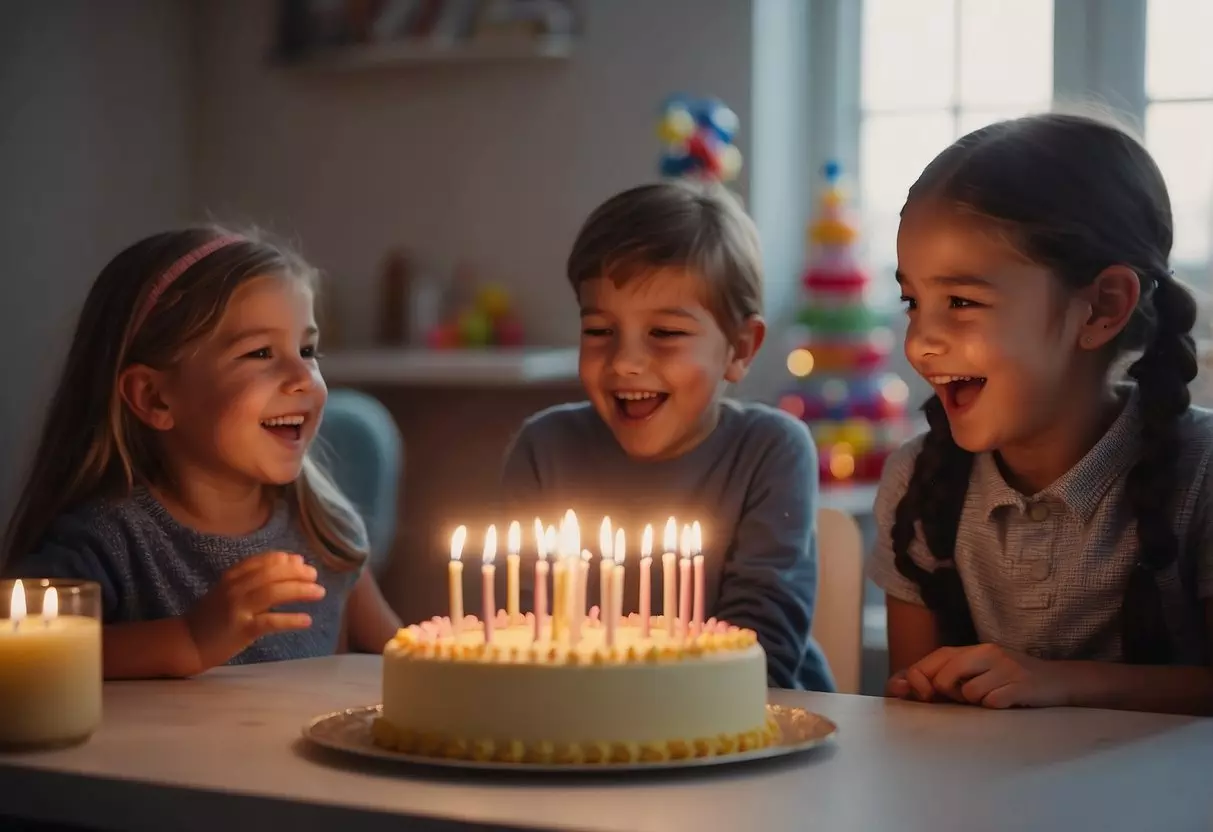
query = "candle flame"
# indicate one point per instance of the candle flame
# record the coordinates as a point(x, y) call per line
point(570, 535)
point(50, 604)
point(457, 540)
point(696, 538)
point(549, 542)
point(620, 546)
point(586, 557)
point(490, 545)
point(16, 606)
point(541, 543)
point(514, 538)
point(669, 540)
point(684, 543)
point(604, 539)
point(646, 541)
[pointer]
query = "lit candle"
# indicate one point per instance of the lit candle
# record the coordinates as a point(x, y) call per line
point(697, 566)
point(583, 576)
point(565, 569)
point(487, 571)
point(455, 575)
point(669, 543)
point(50, 666)
point(617, 579)
point(605, 567)
point(684, 583)
point(646, 588)
point(513, 545)
point(541, 579)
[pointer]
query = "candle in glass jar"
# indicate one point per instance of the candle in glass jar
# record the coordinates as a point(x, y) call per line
point(487, 574)
point(669, 543)
point(512, 560)
point(455, 579)
point(50, 665)
point(646, 586)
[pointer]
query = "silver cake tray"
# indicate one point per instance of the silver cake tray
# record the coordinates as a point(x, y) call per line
point(349, 731)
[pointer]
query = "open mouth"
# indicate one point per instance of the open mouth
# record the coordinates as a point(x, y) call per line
point(286, 428)
point(638, 405)
point(959, 393)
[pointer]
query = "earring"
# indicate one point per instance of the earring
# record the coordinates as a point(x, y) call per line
point(1086, 340)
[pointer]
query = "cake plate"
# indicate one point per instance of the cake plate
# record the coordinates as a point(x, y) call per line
point(349, 731)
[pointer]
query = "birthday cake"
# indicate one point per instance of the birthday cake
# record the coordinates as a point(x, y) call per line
point(518, 700)
point(576, 686)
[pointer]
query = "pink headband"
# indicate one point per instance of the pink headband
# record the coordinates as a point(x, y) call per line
point(175, 271)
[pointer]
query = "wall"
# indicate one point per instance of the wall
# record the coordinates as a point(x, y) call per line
point(493, 164)
point(93, 138)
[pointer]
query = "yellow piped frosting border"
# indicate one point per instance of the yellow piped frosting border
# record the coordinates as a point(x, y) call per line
point(433, 744)
point(410, 645)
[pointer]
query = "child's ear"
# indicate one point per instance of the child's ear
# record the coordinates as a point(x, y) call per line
point(1112, 296)
point(745, 346)
point(141, 388)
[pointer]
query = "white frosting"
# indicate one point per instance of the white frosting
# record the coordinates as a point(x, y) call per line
point(680, 694)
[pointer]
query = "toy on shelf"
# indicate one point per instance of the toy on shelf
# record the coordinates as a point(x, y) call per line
point(855, 409)
point(697, 137)
point(488, 320)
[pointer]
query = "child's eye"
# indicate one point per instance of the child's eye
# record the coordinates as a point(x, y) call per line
point(961, 303)
point(668, 333)
point(310, 351)
point(595, 332)
point(263, 353)
point(910, 303)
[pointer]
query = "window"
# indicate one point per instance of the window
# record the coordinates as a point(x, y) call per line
point(931, 71)
point(1179, 123)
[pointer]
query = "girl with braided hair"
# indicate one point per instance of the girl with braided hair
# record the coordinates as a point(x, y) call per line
point(1049, 540)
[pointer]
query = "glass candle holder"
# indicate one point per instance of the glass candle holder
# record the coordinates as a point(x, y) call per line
point(50, 662)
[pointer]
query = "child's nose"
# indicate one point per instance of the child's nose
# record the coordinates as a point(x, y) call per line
point(925, 337)
point(629, 359)
point(300, 376)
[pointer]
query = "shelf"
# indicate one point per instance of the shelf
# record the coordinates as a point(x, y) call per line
point(408, 366)
point(433, 51)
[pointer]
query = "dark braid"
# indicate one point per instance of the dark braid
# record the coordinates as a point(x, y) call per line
point(1077, 196)
point(935, 498)
point(1162, 373)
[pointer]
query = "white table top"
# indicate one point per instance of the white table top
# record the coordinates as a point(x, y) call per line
point(224, 752)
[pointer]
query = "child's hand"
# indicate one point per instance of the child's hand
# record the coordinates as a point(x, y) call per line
point(983, 674)
point(236, 612)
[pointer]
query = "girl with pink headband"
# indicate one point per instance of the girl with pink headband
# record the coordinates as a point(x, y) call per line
point(175, 466)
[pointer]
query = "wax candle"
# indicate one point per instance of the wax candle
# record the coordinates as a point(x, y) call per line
point(560, 595)
point(646, 587)
point(684, 583)
point(605, 566)
point(541, 579)
point(513, 545)
point(582, 583)
point(50, 663)
point(455, 576)
point(487, 575)
point(617, 579)
point(697, 567)
point(569, 549)
point(669, 542)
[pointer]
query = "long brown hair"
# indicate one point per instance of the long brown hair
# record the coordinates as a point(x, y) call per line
point(93, 447)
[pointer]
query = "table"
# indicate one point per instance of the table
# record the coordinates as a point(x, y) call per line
point(224, 752)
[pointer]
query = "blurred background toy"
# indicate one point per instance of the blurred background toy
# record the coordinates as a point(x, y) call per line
point(697, 137)
point(854, 407)
point(488, 320)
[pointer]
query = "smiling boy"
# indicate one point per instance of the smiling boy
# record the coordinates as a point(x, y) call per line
point(668, 278)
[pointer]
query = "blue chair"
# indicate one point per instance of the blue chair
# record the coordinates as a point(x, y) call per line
point(361, 447)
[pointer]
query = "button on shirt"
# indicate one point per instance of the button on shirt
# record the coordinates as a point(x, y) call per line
point(1046, 574)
